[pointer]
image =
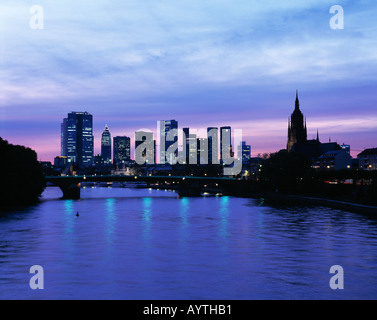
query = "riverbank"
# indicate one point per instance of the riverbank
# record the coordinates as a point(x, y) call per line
point(308, 200)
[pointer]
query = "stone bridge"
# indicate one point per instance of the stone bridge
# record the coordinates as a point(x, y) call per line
point(187, 186)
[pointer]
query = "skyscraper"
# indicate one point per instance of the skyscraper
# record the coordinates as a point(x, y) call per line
point(244, 152)
point(168, 137)
point(225, 144)
point(213, 148)
point(148, 152)
point(297, 132)
point(202, 150)
point(186, 145)
point(122, 150)
point(77, 141)
point(193, 149)
point(106, 146)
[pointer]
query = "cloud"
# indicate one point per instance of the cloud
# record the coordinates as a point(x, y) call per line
point(187, 59)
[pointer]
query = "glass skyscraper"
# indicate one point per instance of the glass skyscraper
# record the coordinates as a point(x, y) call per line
point(148, 152)
point(244, 152)
point(106, 146)
point(122, 150)
point(225, 144)
point(168, 136)
point(77, 141)
point(186, 145)
point(213, 148)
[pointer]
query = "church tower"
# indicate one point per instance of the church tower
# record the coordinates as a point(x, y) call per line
point(297, 132)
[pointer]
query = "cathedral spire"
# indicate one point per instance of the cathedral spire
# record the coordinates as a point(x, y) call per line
point(297, 128)
point(297, 103)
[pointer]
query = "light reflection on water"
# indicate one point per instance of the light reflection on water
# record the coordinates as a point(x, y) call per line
point(149, 244)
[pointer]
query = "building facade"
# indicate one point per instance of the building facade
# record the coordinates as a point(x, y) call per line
point(168, 137)
point(213, 145)
point(368, 159)
point(186, 145)
point(145, 147)
point(77, 141)
point(121, 150)
point(244, 152)
point(334, 160)
point(106, 146)
point(225, 144)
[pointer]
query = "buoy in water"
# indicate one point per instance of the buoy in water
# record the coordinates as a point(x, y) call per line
point(77, 214)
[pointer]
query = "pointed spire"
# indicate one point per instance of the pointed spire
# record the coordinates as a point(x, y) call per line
point(297, 103)
point(317, 135)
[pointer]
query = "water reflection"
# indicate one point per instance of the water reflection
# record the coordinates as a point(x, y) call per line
point(110, 219)
point(147, 216)
point(69, 214)
point(184, 213)
point(224, 215)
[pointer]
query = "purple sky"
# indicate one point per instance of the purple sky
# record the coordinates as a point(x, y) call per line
point(212, 63)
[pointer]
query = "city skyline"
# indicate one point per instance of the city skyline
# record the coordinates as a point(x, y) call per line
point(97, 142)
point(131, 64)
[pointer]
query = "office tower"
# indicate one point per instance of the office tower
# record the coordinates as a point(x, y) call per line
point(244, 152)
point(144, 140)
point(202, 150)
point(193, 149)
point(297, 132)
point(77, 141)
point(225, 144)
point(168, 137)
point(186, 145)
point(122, 150)
point(213, 145)
point(106, 146)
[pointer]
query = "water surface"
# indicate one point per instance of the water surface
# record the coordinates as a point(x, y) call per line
point(151, 244)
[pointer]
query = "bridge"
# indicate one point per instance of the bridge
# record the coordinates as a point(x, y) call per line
point(187, 186)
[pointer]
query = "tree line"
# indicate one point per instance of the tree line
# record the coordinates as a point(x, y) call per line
point(22, 178)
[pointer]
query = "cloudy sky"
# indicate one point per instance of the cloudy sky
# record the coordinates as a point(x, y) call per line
point(203, 63)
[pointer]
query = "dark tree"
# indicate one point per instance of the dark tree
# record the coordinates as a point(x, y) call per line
point(22, 178)
point(286, 171)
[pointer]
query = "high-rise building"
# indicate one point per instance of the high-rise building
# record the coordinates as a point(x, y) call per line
point(186, 145)
point(168, 137)
point(244, 152)
point(213, 146)
point(225, 143)
point(297, 132)
point(106, 146)
point(202, 150)
point(77, 141)
point(193, 149)
point(122, 150)
point(148, 153)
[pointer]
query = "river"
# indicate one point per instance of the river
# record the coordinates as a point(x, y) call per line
point(151, 244)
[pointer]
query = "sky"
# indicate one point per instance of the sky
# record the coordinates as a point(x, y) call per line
point(203, 63)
